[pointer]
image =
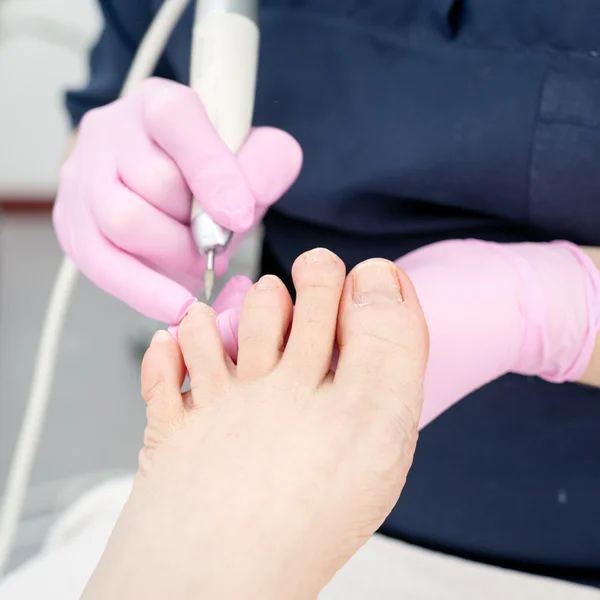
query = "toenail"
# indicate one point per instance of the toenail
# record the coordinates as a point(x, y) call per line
point(376, 281)
point(268, 282)
point(193, 308)
point(161, 336)
point(319, 256)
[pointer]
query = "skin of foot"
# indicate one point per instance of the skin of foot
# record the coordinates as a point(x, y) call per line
point(592, 375)
point(265, 477)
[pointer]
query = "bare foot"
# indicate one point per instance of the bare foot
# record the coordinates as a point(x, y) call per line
point(265, 478)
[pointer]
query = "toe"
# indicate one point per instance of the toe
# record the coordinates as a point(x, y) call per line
point(205, 358)
point(264, 323)
point(319, 279)
point(383, 339)
point(163, 372)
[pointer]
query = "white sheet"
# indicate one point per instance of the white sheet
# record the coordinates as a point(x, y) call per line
point(383, 570)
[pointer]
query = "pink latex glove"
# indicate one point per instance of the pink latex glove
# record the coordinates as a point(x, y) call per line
point(492, 309)
point(123, 204)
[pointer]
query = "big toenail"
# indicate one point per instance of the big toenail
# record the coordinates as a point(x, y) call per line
point(376, 281)
point(319, 256)
point(268, 282)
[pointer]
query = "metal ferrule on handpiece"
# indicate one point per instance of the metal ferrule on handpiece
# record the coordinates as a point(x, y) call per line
point(247, 8)
point(208, 235)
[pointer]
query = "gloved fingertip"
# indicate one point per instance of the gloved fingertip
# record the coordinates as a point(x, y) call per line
point(174, 331)
point(235, 291)
point(236, 215)
point(228, 323)
point(233, 294)
point(240, 283)
point(245, 217)
point(184, 309)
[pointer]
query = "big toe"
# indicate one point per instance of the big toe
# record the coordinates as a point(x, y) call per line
point(383, 339)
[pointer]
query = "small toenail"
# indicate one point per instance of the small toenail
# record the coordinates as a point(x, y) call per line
point(199, 307)
point(376, 281)
point(268, 282)
point(319, 256)
point(161, 336)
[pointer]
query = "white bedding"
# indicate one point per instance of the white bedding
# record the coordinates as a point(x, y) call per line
point(383, 570)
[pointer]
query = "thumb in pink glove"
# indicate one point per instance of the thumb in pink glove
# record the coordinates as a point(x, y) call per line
point(492, 309)
point(123, 204)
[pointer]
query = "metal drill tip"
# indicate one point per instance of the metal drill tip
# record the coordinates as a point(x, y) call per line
point(209, 283)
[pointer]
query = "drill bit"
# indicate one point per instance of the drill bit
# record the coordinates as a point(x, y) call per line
point(211, 240)
point(209, 274)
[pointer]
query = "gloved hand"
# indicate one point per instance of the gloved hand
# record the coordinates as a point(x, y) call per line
point(123, 204)
point(492, 309)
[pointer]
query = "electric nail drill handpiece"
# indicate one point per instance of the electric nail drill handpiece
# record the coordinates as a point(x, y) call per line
point(224, 64)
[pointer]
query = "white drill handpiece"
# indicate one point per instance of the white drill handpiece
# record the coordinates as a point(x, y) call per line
point(224, 63)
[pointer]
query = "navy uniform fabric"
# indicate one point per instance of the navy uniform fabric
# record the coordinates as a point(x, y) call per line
point(424, 120)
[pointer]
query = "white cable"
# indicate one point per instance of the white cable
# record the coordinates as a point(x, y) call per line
point(33, 421)
point(143, 66)
point(154, 42)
